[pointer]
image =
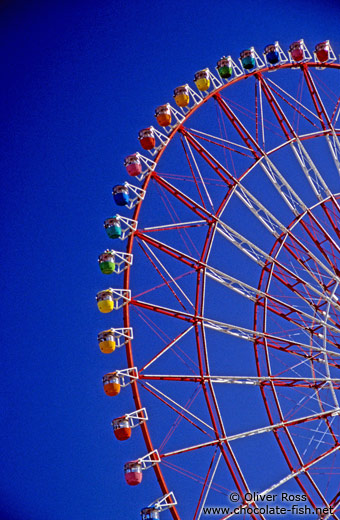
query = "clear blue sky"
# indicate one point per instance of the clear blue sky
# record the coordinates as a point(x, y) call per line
point(79, 79)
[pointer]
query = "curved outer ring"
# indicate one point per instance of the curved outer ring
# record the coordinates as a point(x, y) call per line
point(126, 314)
point(275, 252)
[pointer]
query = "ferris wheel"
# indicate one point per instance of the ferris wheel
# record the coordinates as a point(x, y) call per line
point(228, 283)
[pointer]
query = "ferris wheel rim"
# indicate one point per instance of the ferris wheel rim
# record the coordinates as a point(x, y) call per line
point(207, 244)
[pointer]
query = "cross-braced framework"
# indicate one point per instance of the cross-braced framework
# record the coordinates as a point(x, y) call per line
point(235, 298)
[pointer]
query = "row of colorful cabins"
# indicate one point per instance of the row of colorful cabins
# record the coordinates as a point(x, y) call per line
point(297, 52)
point(107, 344)
point(133, 470)
point(147, 137)
point(121, 425)
point(163, 113)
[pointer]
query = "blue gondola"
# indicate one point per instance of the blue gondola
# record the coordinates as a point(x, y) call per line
point(121, 195)
point(150, 513)
point(272, 54)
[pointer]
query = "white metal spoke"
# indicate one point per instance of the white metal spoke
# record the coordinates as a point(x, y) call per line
point(294, 99)
point(262, 122)
point(312, 174)
point(251, 335)
point(216, 138)
point(242, 288)
point(210, 481)
point(257, 431)
point(299, 471)
point(279, 381)
point(325, 349)
point(334, 146)
point(199, 173)
point(260, 257)
point(264, 216)
point(287, 193)
point(275, 226)
point(253, 294)
point(290, 476)
point(239, 332)
point(250, 249)
point(182, 408)
point(182, 225)
point(167, 347)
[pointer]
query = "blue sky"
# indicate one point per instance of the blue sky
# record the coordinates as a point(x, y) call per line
point(79, 79)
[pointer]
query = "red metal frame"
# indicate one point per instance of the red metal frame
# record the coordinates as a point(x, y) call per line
point(275, 270)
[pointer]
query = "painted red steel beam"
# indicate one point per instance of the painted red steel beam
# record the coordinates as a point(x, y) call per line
point(275, 341)
point(318, 244)
point(192, 173)
point(234, 149)
point(204, 486)
point(295, 249)
point(294, 107)
point(173, 408)
point(135, 392)
point(246, 137)
point(334, 224)
point(186, 259)
point(222, 172)
point(335, 109)
point(324, 119)
point(176, 226)
point(335, 501)
point(290, 134)
point(134, 385)
point(158, 271)
point(195, 264)
point(331, 283)
point(209, 217)
point(184, 199)
point(284, 123)
point(266, 289)
point(226, 452)
point(321, 404)
point(319, 107)
point(327, 287)
point(182, 334)
point(257, 152)
point(290, 279)
point(275, 427)
point(232, 182)
point(303, 469)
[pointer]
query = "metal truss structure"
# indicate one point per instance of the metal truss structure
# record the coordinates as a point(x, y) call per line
point(234, 292)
